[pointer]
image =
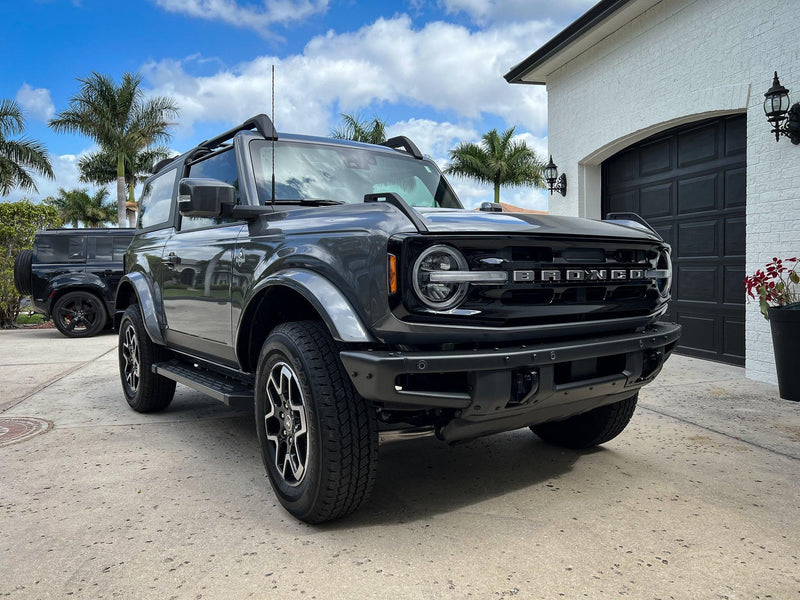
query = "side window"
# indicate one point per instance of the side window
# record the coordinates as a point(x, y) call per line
point(61, 248)
point(157, 200)
point(99, 249)
point(106, 248)
point(220, 166)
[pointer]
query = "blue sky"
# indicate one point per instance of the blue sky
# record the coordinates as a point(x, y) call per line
point(433, 70)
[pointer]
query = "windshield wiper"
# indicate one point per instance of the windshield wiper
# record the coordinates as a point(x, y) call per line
point(311, 202)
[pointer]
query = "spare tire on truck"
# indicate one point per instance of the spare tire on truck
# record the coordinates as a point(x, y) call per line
point(22, 272)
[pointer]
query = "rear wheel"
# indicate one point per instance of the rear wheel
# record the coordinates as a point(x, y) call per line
point(590, 428)
point(79, 314)
point(144, 390)
point(319, 438)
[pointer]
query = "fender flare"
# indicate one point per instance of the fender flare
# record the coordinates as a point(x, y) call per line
point(147, 305)
point(336, 311)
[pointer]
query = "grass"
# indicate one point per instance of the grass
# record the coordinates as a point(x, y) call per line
point(26, 319)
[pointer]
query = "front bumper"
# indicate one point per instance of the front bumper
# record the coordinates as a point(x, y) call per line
point(511, 387)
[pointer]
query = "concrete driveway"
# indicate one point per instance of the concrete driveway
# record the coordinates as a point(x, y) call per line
point(698, 498)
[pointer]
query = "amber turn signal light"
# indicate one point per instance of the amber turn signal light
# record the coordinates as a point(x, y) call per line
point(392, 274)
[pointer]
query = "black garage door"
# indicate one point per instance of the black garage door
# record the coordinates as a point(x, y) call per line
point(689, 183)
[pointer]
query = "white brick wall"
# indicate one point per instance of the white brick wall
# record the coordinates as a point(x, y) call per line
point(680, 61)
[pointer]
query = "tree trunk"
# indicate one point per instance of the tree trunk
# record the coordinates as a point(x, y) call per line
point(121, 191)
point(132, 215)
point(497, 192)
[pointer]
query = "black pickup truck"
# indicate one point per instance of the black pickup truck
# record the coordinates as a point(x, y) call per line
point(342, 290)
point(72, 275)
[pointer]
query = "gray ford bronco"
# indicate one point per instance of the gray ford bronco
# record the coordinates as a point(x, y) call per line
point(341, 290)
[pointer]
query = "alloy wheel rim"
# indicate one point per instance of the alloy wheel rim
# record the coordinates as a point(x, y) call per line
point(78, 315)
point(131, 359)
point(285, 423)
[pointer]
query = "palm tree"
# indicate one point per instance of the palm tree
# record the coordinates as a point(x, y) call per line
point(77, 205)
point(22, 157)
point(99, 167)
point(119, 119)
point(497, 160)
point(355, 128)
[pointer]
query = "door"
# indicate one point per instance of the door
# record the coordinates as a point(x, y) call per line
point(689, 184)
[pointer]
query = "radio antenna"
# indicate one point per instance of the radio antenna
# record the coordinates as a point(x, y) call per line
point(273, 137)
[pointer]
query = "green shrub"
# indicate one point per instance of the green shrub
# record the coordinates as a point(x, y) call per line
point(19, 222)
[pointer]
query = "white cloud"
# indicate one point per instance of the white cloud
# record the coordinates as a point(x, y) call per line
point(250, 16)
point(442, 66)
point(433, 138)
point(36, 103)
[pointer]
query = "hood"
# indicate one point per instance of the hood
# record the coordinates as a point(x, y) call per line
point(468, 221)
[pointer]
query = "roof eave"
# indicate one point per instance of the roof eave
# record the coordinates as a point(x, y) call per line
point(573, 32)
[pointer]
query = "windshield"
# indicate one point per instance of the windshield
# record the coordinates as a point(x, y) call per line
point(309, 171)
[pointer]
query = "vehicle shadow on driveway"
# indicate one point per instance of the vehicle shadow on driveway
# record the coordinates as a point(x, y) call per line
point(422, 478)
point(419, 479)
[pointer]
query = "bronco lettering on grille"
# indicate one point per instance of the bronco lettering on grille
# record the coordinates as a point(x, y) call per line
point(573, 275)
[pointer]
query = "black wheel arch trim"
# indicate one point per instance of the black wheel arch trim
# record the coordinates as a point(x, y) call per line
point(145, 298)
point(337, 312)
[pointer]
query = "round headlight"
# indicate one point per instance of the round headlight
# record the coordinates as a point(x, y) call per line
point(439, 295)
point(664, 268)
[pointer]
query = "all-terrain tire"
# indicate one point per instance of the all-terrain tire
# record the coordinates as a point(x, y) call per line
point(144, 390)
point(319, 438)
point(79, 314)
point(22, 272)
point(590, 428)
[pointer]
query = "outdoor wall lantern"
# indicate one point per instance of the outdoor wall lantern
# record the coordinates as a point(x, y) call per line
point(554, 182)
point(776, 107)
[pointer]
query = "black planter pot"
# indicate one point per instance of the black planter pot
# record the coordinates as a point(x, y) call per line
point(785, 325)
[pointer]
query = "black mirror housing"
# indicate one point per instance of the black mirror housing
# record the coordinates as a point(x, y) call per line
point(201, 197)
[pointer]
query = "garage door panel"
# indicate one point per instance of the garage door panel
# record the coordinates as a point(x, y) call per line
point(733, 291)
point(734, 236)
point(697, 194)
point(733, 341)
point(697, 284)
point(656, 201)
point(699, 332)
point(735, 136)
point(735, 187)
point(625, 168)
point(625, 202)
point(697, 146)
point(698, 239)
point(655, 158)
point(690, 184)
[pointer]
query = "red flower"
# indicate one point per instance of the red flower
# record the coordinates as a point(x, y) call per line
point(778, 286)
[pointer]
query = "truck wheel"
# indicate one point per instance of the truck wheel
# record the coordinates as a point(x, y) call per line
point(144, 390)
point(590, 428)
point(319, 438)
point(79, 314)
point(22, 272)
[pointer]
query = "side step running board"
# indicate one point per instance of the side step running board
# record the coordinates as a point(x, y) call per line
point(234, 393)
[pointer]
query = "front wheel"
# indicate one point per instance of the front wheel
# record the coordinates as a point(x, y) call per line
point(144, 390)
point(319, 438)
point(590, 428)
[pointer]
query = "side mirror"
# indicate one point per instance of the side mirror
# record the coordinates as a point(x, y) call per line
point(200, 197)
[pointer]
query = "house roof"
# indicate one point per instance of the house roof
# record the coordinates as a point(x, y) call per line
point(600, 21)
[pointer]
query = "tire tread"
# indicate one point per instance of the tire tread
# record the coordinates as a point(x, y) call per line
point(591, 428)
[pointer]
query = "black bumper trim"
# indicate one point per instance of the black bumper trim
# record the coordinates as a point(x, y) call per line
point(374, 373)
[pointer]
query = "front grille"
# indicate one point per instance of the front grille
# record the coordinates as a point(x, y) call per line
point(564, 280)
